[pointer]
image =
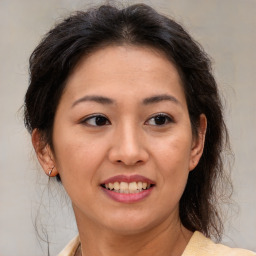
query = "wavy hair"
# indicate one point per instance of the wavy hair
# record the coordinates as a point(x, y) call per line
point(86, 31)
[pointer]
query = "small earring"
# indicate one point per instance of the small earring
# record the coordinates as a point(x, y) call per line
point(50, 172)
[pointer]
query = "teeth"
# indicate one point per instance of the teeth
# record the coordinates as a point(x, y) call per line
point(124, 187)
point(128, 188)
point(116, 186)
point(110, 186)
point(132, 187)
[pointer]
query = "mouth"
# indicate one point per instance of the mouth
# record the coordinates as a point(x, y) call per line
point(127, 187)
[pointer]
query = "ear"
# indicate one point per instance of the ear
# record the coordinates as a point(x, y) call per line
point(44, 153)
point(198, 142)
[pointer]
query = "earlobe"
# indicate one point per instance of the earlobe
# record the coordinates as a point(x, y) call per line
point(198, 142)
point(44, 153)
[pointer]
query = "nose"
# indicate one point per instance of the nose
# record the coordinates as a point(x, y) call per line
point(128, 146)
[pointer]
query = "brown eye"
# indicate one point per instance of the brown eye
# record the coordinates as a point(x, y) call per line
point(96, 120)
point(159, 119)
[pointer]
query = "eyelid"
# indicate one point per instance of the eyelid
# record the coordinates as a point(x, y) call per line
point(169, 117)
point(85, 119)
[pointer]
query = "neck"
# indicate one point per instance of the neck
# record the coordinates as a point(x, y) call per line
point(163, 240)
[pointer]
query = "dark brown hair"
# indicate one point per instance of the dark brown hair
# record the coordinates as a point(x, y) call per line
point(84, 32)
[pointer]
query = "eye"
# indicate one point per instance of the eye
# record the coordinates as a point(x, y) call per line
point(159, 119)
point(96, 120)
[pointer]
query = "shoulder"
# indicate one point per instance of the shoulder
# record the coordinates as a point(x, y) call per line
point(71, 247)
point(197, 246)
point(200, 245)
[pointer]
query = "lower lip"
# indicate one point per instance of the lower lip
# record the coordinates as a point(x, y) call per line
point(128, 198)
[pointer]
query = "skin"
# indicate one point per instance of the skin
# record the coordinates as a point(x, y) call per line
point(129, 142)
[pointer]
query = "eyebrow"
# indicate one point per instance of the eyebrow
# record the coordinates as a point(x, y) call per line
point(160, 98)
point(94, 98)
point(146, 101)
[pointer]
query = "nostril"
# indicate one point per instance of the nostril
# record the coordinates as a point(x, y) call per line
point(130, 163)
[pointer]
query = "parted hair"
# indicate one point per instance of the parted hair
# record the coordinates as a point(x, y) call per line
point(83, 33)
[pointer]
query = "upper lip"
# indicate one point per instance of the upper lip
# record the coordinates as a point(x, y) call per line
point(128, 179)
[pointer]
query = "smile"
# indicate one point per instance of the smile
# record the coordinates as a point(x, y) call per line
point(127, 188)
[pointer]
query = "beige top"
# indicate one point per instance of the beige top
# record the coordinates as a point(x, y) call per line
point(198, 245)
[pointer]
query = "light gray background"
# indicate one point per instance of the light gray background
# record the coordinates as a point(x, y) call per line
point(226, 29)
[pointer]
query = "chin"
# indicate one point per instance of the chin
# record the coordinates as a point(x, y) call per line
point(131, 225)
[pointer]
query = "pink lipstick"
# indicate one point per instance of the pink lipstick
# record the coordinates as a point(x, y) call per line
point(128, 189)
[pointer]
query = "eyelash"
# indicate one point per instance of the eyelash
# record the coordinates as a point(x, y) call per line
point(100, 118)
point(86, 120)
point(167, 118)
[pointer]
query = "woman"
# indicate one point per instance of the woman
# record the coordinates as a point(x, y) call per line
point(124, 111)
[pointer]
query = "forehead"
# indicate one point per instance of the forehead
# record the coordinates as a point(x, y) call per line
point(125, 69)
point(125, 58)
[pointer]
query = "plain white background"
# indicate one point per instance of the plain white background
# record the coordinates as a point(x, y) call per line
point(226, 29)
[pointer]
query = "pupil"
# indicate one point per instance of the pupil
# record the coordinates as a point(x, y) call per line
point(160, 120)
point(100, 120)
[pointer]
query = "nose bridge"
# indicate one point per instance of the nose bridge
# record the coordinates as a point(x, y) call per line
point(128, 145)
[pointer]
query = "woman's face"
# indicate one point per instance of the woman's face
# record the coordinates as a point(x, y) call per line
point(122, 138)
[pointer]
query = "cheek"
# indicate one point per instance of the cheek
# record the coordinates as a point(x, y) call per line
point(77, 158)
point(174, 151)
point(172, 160)
point(78, 163)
